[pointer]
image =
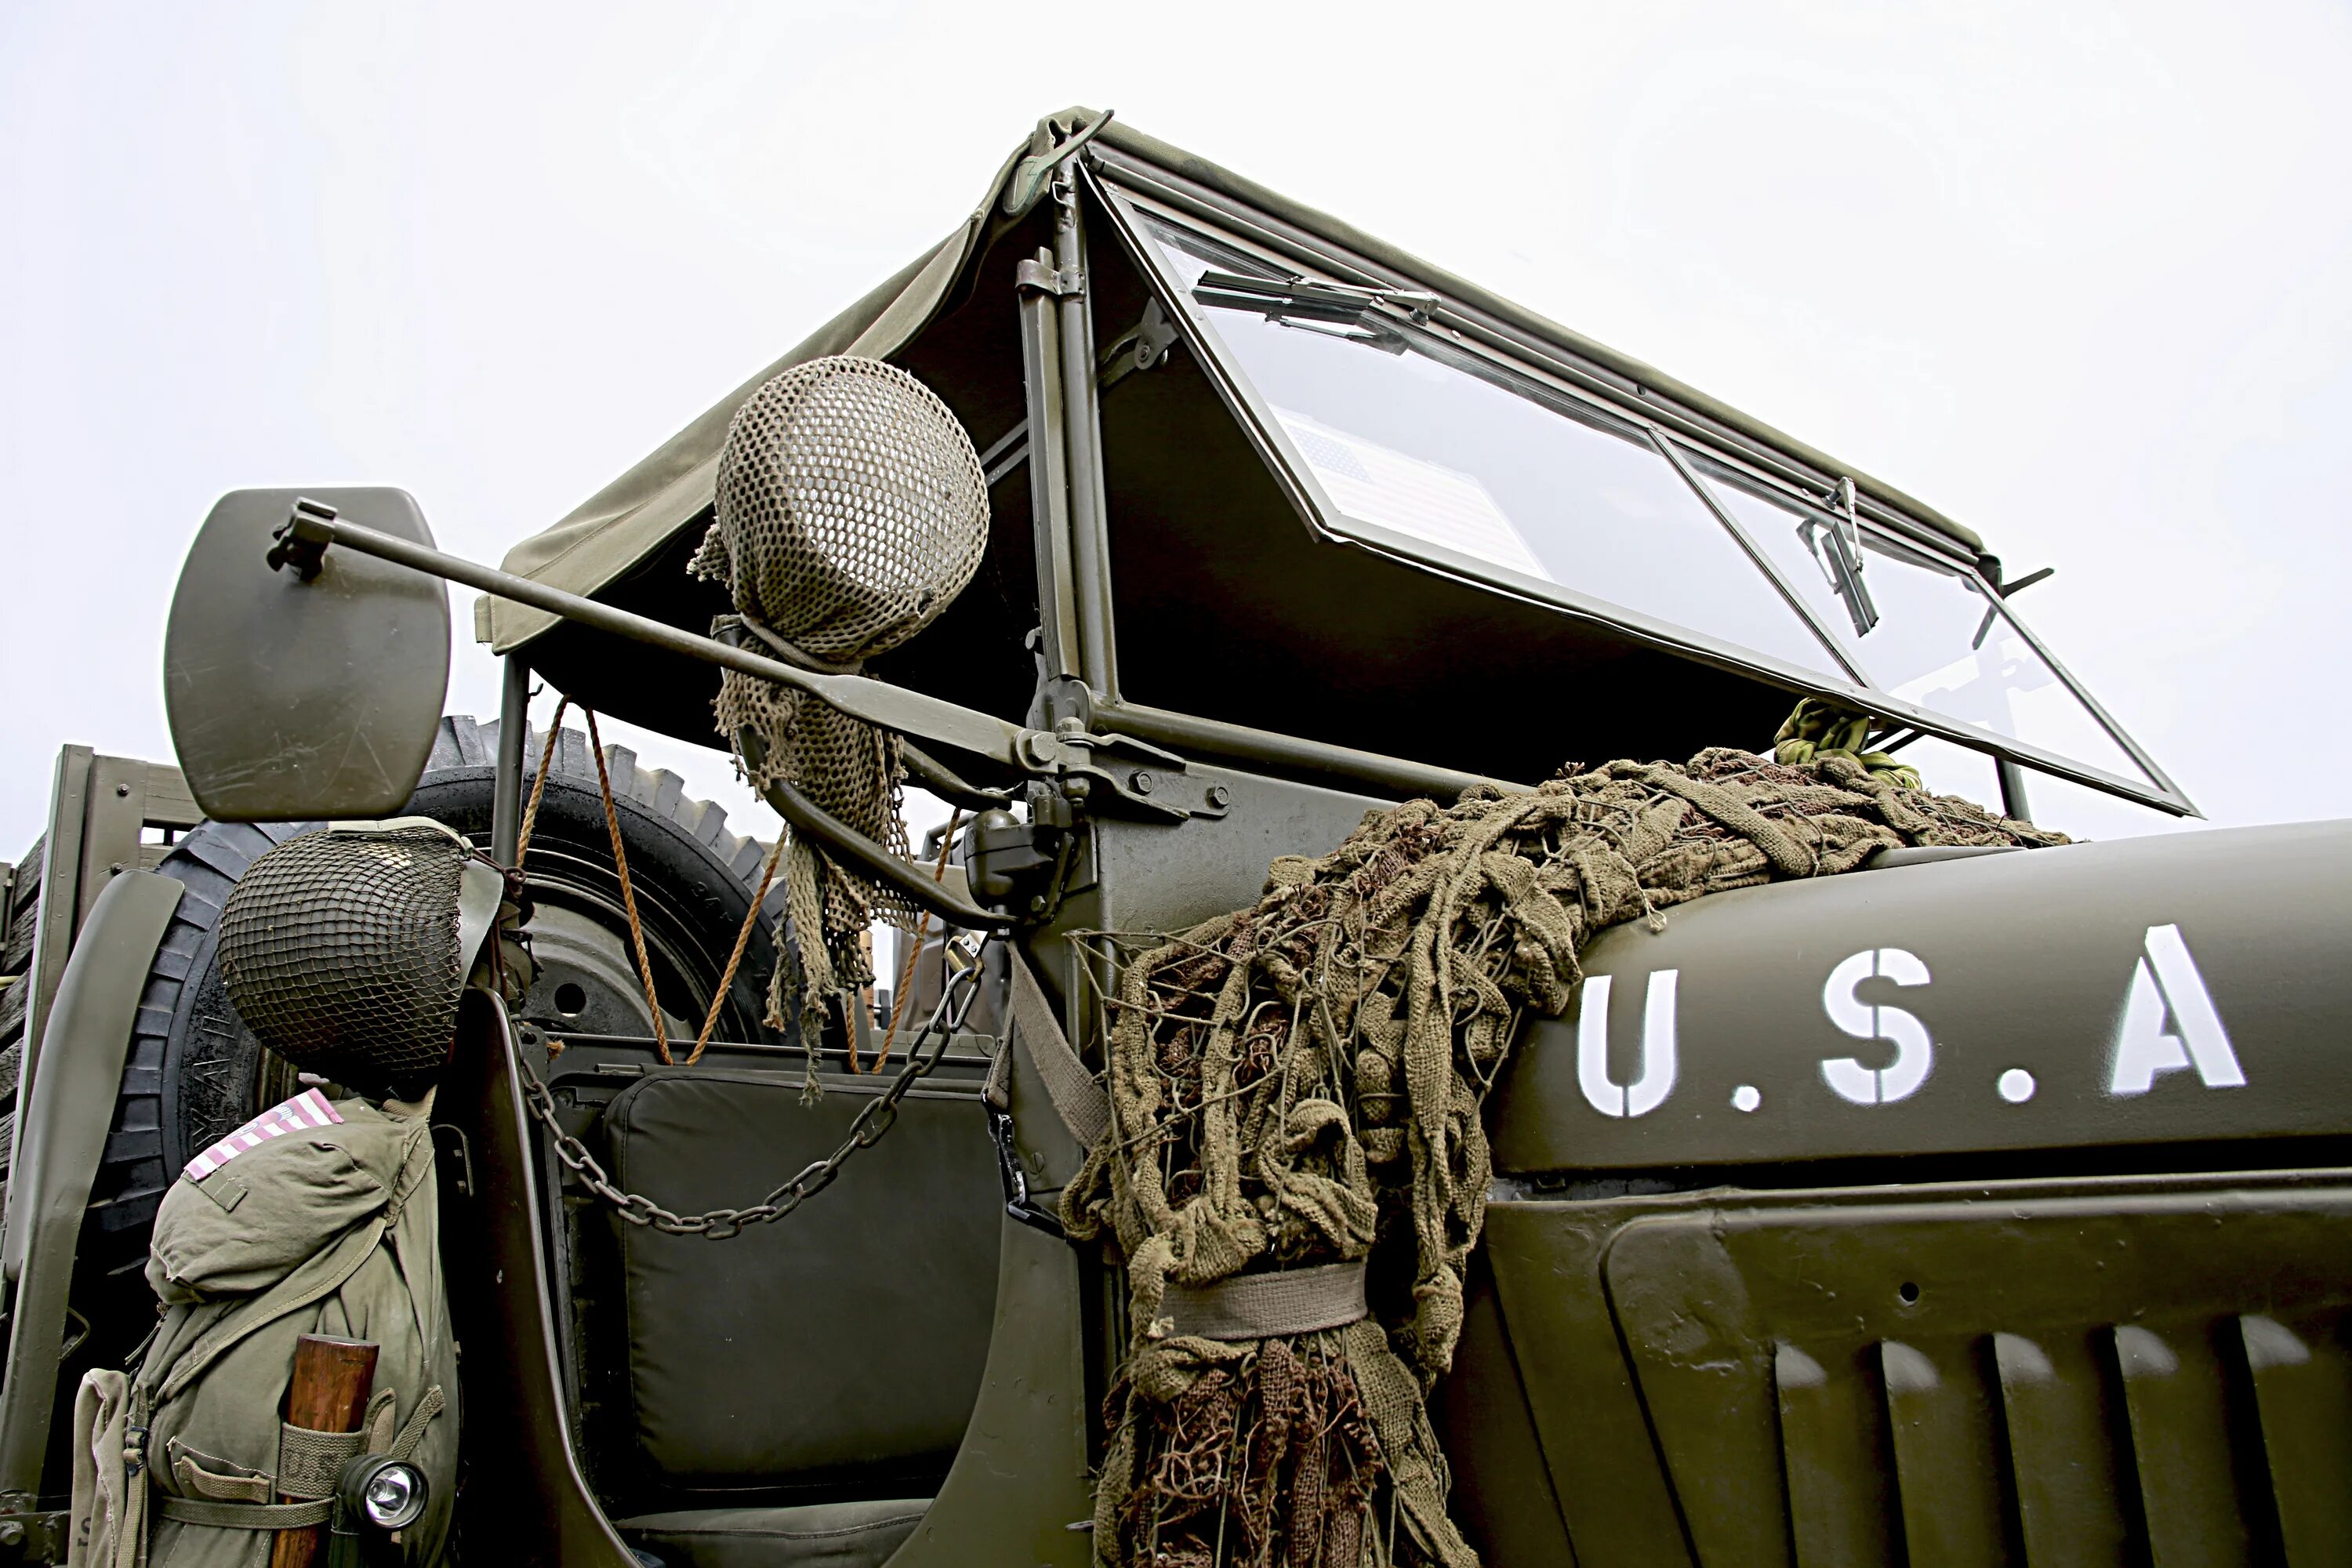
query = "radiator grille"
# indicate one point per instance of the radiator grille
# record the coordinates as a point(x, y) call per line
point(2153, 1379)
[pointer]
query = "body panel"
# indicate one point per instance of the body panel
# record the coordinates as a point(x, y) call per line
point(2054, 963)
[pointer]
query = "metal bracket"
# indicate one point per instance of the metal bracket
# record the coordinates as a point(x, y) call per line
point(302, 540)
point(1033, 276)
point(1139, 776)
point(28, 1536)
point(1142, 346)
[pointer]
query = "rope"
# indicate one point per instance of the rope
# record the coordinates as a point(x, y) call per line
point(539, 782)
point(735, 959)
point(915, 948)
point(628, 892)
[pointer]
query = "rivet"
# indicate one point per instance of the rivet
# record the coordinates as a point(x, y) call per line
point(122, 789)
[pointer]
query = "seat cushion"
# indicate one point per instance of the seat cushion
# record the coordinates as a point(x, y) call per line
point(822, 1535)
point(843, 1344)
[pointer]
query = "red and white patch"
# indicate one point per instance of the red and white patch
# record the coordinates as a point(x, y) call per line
point(300, 1114)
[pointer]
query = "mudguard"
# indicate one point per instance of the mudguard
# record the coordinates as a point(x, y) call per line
point(62, 1137)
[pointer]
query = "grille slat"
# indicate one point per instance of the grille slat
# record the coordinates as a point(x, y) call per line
point(1832, 1451)
point(2062, 1453)
point(2176, 1398)
point(2301, 1376)
point(1947, 1469)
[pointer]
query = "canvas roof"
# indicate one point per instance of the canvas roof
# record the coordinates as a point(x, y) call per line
point(641, 513)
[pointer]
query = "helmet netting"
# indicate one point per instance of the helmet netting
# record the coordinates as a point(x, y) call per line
point(851, 510)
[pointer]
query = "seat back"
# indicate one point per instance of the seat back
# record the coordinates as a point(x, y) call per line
point(839, 1349)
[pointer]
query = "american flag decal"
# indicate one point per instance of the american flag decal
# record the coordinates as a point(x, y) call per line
point(304, 1111)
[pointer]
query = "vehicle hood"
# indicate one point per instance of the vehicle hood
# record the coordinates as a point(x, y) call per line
point(2189, 988)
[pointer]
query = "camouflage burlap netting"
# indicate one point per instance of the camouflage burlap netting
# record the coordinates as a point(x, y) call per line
point(1301, 1083)
point(851, 510)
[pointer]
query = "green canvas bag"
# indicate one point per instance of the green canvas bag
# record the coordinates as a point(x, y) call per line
point(314, 1218)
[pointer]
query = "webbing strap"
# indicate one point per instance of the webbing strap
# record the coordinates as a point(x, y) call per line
point(1078, 1099)
point(311, 1461)
point(1268, 1306)
point(246, 1515)
point(413, 1433)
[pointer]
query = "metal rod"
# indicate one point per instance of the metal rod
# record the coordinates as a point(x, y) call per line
point(1082, 426)
point(1049, 490)
point(506, 789)
point(1342, 764)
point(2013, 803)
point(946, 783)
point(754, 1048)
point(860, 697)
point(862, 853)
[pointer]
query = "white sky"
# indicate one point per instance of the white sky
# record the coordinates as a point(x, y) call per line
point(2080, 275)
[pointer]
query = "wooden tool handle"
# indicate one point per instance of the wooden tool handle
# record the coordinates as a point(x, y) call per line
point(333, 1379)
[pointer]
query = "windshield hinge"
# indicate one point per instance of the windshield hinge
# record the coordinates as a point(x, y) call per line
point(1122, 773)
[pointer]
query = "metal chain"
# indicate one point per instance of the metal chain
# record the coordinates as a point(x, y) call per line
point(867, 1130)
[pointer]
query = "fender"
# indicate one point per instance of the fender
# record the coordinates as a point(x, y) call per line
point(63, 1134)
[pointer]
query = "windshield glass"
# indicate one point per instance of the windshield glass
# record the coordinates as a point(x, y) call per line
point(1940, 641)
point(1409, 437)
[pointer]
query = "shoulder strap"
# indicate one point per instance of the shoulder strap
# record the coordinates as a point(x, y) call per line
point(1081, 1102)
point(320, 1276)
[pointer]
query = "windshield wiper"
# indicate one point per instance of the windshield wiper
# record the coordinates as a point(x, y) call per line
point(2001, 591)
point(1297, 303)
point(1837, 545)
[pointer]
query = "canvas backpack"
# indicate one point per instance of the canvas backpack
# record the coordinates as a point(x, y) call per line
point(316, 1218)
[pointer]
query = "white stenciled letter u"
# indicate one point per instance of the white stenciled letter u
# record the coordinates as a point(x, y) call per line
point(1656, 1079)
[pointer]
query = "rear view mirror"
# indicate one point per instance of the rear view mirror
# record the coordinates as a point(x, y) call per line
point(294, 697)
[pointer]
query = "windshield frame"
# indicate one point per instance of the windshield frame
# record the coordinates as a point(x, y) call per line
point(1546, 378)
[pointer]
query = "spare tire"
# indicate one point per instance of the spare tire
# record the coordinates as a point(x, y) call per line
point(194, 1072)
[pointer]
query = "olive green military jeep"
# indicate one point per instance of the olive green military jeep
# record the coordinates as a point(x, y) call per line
point(1975, 1208)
